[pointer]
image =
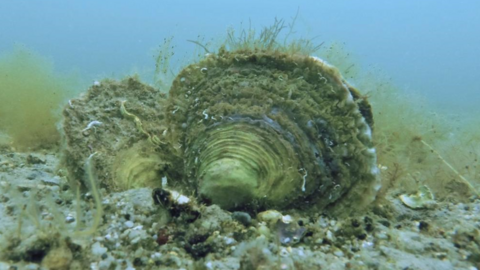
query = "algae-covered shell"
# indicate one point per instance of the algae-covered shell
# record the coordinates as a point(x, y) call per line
point(94, 123)
point(260, 129)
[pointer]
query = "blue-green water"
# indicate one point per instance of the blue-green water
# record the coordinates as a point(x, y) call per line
point(428, 47)
point(112, 174)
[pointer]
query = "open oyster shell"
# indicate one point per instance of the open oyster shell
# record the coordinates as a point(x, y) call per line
point(263, 130)
point(248, 130)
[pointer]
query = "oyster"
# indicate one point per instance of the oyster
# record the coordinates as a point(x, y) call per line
point(247, 129)
point(125, 159)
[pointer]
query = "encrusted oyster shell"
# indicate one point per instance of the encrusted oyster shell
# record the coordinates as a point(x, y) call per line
point(125, 159)
point(259, 129)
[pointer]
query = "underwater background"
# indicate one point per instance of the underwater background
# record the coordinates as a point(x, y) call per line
point(100, 100)
point(428, 47)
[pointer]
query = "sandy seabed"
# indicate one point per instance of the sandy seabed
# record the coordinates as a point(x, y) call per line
point(39, 230)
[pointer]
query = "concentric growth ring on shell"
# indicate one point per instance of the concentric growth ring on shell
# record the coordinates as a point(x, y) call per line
point(241, 158)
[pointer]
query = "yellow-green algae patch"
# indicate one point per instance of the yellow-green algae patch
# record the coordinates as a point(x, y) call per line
point(30, 97)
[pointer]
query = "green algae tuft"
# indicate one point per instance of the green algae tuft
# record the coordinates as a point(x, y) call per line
point(30, 95)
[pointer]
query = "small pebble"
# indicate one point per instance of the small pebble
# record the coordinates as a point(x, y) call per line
point(34, 160)
point(156, 255)
point(338, 253)
point(382, 235)
point(269, 216)
point(264, 230)
point(129, 224)
point(98, 250)
point(229, 241)
point(330, 236)
point(69, 219)
point(32, 267)
point(423, 226)
point(323, 222)
point(367, 245)
point(242, 217)
point(55, 181)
